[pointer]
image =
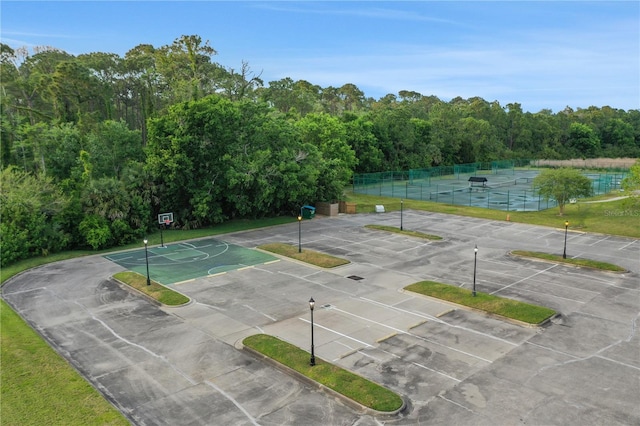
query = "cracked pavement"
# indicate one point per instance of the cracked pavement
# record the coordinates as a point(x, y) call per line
point(171, 366)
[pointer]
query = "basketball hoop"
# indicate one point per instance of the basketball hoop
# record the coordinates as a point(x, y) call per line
point(165, 219)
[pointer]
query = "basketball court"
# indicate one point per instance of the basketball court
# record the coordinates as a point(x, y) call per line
point(175, 263)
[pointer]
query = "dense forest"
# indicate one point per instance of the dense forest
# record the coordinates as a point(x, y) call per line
point(94, 146)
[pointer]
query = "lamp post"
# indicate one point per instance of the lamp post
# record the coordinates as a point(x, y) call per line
point(312, 303)
point(146, 257)
point(299, 234)
point(401, 209)
point(566, 227)
point(475, 262)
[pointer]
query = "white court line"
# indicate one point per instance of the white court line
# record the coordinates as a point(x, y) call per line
point(200, 251)
point(336, 332)
point(524, 279)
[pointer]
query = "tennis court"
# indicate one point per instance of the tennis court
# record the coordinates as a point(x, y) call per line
point(504, 187)
point(184, 261)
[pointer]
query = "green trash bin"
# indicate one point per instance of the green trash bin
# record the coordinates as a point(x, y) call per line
point(308, 212)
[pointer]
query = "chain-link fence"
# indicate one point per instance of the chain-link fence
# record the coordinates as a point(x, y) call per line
point(500, 185)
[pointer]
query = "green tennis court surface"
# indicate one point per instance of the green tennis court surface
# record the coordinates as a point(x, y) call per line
point(184, 261)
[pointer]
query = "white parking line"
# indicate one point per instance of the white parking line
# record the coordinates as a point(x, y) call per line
point(627, 245)
point(415, 336)
point(440, 321)
point(261, 313)
point(523, 279)
point(599, 241)
point(315, 324)
point(436, 371)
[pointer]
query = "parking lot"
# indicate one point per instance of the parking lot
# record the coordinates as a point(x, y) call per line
point(453, 366)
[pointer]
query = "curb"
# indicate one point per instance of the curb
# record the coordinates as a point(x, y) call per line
point(488, 314)
point(336, 395)
point(591, 268)
point(130, 289)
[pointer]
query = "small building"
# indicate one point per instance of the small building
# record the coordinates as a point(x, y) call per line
point(477, 181)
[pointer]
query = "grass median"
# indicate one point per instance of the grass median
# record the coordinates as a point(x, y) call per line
point(587, 263)
point(307, 256)
point(156, 291)
point(346, 383)
point(508, 308)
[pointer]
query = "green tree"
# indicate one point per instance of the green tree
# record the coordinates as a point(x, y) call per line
point(30, 207)
point(583, 140)
point(111, 146)
point(328, 134)
point(631, 183)
point(562, 185)
point(186, 158)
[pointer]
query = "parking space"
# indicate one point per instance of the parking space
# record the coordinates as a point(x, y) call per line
point(180, 365)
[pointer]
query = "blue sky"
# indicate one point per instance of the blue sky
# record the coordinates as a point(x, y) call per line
point(541, 54)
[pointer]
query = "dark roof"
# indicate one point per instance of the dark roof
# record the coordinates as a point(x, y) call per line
point(477, 179)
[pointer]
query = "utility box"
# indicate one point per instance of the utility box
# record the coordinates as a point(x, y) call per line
point(308, 212)
point(379, 208)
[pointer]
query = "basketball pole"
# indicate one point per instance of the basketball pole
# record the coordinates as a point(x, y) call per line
point(161, 239)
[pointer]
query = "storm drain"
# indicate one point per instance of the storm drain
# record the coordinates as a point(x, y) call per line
point(355, 277)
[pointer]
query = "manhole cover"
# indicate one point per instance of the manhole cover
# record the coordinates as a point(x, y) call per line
point(355, 277)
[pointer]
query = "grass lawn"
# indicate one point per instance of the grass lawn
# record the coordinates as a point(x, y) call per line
point(162, 294)
point(351, 385)
point(613, 217)
point(41, 388)
point(571, 261)
point(403, 232)
point(307, 256)
point(507, 308)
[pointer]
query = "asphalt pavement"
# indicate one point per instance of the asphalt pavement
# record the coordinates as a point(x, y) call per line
point(184, 366)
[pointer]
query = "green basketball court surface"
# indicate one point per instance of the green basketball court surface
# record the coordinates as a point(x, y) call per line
point(185, 261)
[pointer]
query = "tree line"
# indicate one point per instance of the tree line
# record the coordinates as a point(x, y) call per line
point(94, 146)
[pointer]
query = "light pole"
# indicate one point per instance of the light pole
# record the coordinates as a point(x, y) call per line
point(475, 262)
point(146, 256)
point(401, 209)
point(566, 227)
point(312, 303)
point(299, 234)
